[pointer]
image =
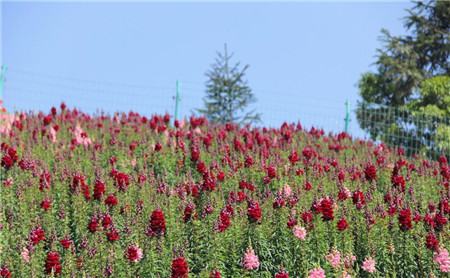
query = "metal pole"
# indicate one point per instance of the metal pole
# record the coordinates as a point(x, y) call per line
point(2, 82)
point(177, 100)
point(347, 115)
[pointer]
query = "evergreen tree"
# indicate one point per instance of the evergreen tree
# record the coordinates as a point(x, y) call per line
point(227, 92)
point(402, 66)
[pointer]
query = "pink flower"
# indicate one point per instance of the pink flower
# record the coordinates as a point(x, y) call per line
point(317, 272)
point(52, 135)
point(250, 260)
point(349, 260)
point(345, 275)
point(299, 232)
point(25, 255)
point(369, 265)
point(334, 258)
point(287, 191)
point(442, 259)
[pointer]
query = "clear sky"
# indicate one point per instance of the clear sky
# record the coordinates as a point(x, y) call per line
point(305, 58)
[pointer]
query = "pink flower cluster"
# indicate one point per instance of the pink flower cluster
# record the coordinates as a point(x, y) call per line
point(442, 259)
point(251, 260)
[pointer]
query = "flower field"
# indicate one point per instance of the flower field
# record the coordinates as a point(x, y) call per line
point(130, 196)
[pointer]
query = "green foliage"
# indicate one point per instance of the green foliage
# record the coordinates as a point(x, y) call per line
point(227, 93)
point(412, 75)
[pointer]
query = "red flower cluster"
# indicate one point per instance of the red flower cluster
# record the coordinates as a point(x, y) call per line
point(342, 224)
point(404, 218)
point(65, 243)
point(224, 220)
point(93, 224)
point(370, 172)
point(112, 235)
point(46, 204)
point(432, 242)
point(44, 180)
point(215, 274)
point(180, 268)
point(52, 263)
point(10, 156)
point(111, 200)
point(99, 189)
point(37, 235)
point(254, 211)
point(326, 207)
point(282, 274)
point(358, 199)
point(122, 180)
point(4, 272)
point(157, 226)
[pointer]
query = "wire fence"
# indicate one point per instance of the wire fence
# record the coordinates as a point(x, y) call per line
point(416, 132)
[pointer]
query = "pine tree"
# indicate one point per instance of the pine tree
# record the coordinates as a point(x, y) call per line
point(393, 95)
point(227, 93)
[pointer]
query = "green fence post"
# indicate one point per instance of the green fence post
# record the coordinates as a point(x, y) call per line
point(177, 100)
point(347, 116)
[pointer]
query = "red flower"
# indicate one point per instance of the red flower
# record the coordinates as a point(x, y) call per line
point(134, 253)
point(47, 120)
point(292, 221)
point(180, 268)
point(99, 189)
point(7, 162)
point(37, 235)
point(215, 274)
point(254, 211)
point(326, 207)
point(224, 221)
point(111, 200)
point(293, 157)
point(122, 180)
point(188, 212)
point(432, 242)
point(308, 153)
point(307, 186)
point(404, 218)
point(4, 272)
point(113, 235)
point(271, 172)
point(65, 243)
point(307, 217)
point(398, 181)
point(342, 224)
point(157, 226)
point(46, 204)
point(279, 202)
point(440, 221)
point(358, 199)
point(44, 181)
point(107, 221)
point(370, 171)
point(93, 224)
point(282, 274)
point(52, 263)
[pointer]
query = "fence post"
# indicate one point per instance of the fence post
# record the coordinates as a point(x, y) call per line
point(347, 116)
point(2, 82)
point(177, 100)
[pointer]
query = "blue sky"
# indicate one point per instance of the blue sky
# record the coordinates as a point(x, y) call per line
point(305, 58)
